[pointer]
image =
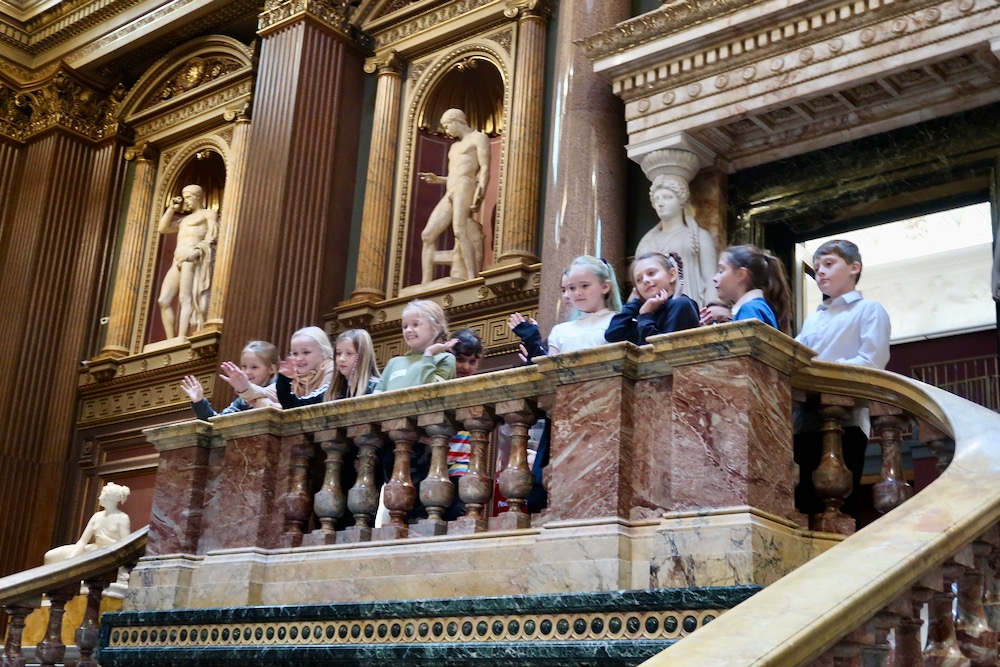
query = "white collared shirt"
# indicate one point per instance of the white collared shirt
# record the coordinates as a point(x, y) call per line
point(849, 330)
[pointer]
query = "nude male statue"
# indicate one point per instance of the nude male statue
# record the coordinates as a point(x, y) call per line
point(189, 278)
point(465, 188)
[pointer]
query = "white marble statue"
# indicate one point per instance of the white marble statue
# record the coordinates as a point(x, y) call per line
point(105, 527)
point(189, 278)
point(465, 188)
point(678, 232)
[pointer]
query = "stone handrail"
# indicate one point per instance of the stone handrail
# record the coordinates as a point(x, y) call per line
point(21, 593)
point(33, 583)
point(888, 568)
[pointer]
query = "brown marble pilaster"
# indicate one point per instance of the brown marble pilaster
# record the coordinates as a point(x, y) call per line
point(118, 339)
point(524, 129)
point(181, 477)
point(584, 210)
point(229, 223)
point(590, 459)
point(375, 219)
point(241, 508)
point(289, 255)
point(61, 210)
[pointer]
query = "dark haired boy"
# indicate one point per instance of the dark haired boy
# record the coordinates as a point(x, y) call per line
point(468, 354)
point(848, 329)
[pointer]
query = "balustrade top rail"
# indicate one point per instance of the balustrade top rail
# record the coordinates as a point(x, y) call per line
point(810, 610)
point(33, 583)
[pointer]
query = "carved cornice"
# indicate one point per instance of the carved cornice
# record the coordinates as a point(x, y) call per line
point(219, 100)
point(425, 21)
point(61, 102)
point(332, 13)
point(656, 24)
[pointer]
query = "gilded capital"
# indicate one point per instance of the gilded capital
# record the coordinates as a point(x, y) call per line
point(385, 63)
point(332, 13)
point(61, 101)
point(145, 151)
point(523, 8)
point(240, 114)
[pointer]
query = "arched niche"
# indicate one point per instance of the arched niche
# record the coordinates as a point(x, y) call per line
point(202, 166)
point(475, 85)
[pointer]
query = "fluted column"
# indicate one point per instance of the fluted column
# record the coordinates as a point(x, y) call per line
point(524, 130)
point(376, 217)
point(58, 229)
point(289, 255)
point(230, 217)
point(118, 340)
point(585, 192)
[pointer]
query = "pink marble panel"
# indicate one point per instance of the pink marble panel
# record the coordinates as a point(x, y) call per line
point(175, 523)
point(732, 440)
point(590, 459)
point(651, 434)
point(240, 508)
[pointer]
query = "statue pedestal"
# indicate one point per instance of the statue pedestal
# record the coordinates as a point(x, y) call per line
point(423, 288)
point(164, 344)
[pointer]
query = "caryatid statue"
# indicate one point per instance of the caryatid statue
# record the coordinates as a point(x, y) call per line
point(465, 188)
point(189, 278)
point(677, 231)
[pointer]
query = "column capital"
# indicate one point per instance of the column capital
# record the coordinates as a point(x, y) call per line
point(527, 8)
point(679, 155)
point(331, 13)
point(66, 102)
point(389, 62)
point(240, 114)
point(144, 152)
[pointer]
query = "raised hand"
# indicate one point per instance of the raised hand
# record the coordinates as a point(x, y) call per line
point(234, 376)
point(193, 388)
point(438, 348)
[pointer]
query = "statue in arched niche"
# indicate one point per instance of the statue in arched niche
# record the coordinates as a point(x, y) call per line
point(677, 230)
point(189, 278)
point(465, 188)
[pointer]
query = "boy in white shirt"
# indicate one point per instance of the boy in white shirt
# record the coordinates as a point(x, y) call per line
point(848, 329)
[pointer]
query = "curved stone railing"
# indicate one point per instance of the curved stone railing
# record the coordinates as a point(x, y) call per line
point(21, 593)
point(862, 599)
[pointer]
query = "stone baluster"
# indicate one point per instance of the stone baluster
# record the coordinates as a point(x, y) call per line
point(940, 444)
point(51, 650)
point(298, 500)
point(892, 490)
point(362, 499)
point(991, 582)
point(832, 479)
point(330, 502)
point(436, 490)
point(88, 634)
point(977, 640)
point(400, 494)
point(848, 651)
point(942, 648)
point(516, 480)
point(880, 652)
point(12, 656)
point(908, 648)
point(476, 486)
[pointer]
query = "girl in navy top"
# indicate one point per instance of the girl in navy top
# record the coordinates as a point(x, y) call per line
point(754, 281)
point(659, 305)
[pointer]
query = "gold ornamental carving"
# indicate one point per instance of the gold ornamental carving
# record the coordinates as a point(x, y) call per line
point(332, 13)
point(428, 20)
point(388, 62)
point(515, 8)
point(195, 72)
point(60, 102)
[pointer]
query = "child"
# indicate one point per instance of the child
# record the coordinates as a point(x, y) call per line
point(592, 288)
point(468, 354)
point(308, 371)
point(755, 281)
point(593, 291)
point(659, 306)
point(425, 332)
point(357, 373)
point(258, 366)
point(848, 329)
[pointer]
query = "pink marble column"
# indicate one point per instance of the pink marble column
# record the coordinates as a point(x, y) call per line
point(585, 193)
point(181, 476)
point(241, 501)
